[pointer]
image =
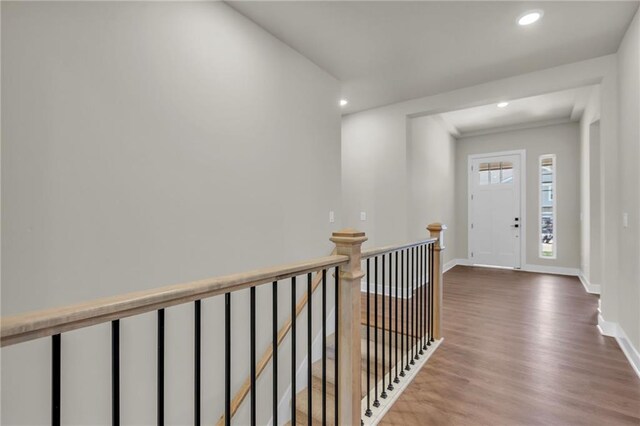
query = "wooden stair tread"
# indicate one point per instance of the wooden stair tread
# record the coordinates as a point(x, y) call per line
point(317, 377)
point(316, 413)
point(316, 384)
point(316, 372)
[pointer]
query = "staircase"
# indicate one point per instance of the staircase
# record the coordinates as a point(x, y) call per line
point(302, 404)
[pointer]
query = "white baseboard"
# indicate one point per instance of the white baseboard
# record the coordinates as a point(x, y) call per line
point(629, 350)
point(542, 269)
point(557, 270)
point(450, 264)
point(590, 288)
point(463, 262)
point(455, 262)
point(574, 272)
point(607, 328)
point(613, 329)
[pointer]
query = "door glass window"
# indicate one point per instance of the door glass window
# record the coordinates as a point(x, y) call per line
point(495, 173)
point(548, 207)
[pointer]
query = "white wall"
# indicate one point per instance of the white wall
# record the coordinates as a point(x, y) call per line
point(595, 232)
point(374, 177)
point(146, 144)
point(431, 180)
point(396, 182)
point(590, 188)
point(561, 140)
point(629, 176)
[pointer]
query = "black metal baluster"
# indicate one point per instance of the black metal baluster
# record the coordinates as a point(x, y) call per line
point(227, 359)
point(390, 386)
point(422, 286)
point(433, 276)
point(414, 304)
point(368, 412)
point(196, 362)
point(115, 372)
point(409, 301)
point(426, 292)
point(274, 345)
point(412, 298)
point(160, 402)
point(422, 307)
point(425, 312)
point(337, 360)
point(309, 344)
point(416, 335)
point(56, 345)
point(324, 346)
point(419, 301)
point(252, 332)
point(376, 402)
point(293, 351)
point(402, 314)
point(397, 330)
point(430, 272)
point(384, 392)
point(417, 297)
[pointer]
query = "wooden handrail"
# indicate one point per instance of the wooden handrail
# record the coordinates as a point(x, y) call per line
point(34, 325)
point(244, 390)
point(366, 254)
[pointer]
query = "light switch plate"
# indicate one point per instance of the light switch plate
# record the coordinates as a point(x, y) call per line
point(332, 217)
point(363, 216)
point(625, 220)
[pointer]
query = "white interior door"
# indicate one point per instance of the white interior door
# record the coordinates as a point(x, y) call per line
point(495, 220)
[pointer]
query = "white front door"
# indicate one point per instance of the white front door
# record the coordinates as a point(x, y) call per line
point(495, 219)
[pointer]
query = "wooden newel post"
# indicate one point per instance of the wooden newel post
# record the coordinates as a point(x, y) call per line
point(348, 243)
point(436, 229)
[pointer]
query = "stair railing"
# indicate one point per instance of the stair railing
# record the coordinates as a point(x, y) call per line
point(346, 266)
point(401, 317)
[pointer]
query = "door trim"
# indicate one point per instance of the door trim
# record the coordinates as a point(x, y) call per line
point(523, 199)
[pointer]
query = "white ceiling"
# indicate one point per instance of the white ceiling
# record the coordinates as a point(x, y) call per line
point(566, 105)
point(389, 51)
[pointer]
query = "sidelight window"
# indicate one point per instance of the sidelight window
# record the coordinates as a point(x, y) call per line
point(547, 222)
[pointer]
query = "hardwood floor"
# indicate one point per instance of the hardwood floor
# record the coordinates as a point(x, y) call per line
point(520, 349)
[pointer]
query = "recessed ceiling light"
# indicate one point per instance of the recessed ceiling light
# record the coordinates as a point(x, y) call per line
point(503, 104)
point(343, 102)
point(530, 17)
